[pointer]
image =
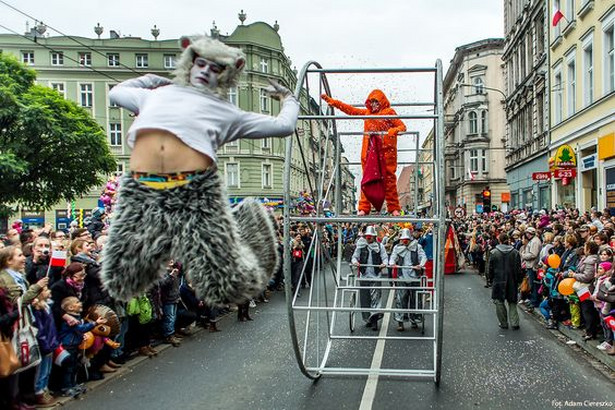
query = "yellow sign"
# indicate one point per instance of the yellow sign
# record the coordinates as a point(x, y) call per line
point(606, 146)
point(565, 157)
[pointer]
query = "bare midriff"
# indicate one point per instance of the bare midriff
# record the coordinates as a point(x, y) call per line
point(161, 152)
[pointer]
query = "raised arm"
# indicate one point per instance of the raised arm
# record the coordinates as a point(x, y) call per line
point(253, 125)
point(342, 106)
point(130, 94)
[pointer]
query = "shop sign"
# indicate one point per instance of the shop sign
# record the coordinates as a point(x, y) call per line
point(541, 176)
point(565, 158)
point(564, 173)
point(589, 162)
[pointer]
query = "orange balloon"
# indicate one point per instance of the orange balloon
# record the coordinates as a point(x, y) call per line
point(565, 286)
point(553, 261)
point(88, 341)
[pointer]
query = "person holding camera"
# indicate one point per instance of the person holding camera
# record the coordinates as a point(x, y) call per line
point(37, 264)
point(169, 296)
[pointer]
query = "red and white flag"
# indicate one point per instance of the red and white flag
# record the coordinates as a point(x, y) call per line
point(557, 15)
point(470, 175)
point(58, 258)
point(583, 293)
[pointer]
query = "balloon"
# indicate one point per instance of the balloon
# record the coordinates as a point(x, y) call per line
point(565, 286)
point(554, 261)
point(88, 341)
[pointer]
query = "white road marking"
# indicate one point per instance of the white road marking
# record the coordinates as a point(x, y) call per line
point(369, 393)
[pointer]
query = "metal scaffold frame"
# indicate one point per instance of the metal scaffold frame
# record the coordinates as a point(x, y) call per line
point(314, 347)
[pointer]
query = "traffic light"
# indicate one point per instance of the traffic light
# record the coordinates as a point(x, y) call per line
point(487, 199)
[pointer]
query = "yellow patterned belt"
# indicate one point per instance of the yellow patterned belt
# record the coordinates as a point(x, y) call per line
point(165, 181)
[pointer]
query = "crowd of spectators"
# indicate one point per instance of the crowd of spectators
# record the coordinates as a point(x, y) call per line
point(584, 243)
point(82, 332)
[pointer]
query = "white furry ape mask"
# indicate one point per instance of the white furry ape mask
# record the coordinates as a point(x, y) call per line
point(231, 60)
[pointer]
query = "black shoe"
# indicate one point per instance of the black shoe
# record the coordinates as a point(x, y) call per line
point(376, 317)
point(515, 328)
point(413, 324)
point(375, 326)
point(119, 359)
point(96, 376)
point(503, 327)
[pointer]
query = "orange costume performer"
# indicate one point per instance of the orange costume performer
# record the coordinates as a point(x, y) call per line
point(377, 104)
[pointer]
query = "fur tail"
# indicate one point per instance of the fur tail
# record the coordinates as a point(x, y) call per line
point(257, 230)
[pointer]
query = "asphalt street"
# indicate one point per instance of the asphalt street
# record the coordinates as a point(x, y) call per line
point(251, 365)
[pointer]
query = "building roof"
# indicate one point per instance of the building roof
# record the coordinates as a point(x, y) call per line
point(265, 35)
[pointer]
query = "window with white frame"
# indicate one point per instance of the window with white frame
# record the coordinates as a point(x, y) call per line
point(232, 174)
point(232, 96)
point(86, 94)
point(120, 168)
point(57, 58)
point(483, 161)
point(473, 121)
point(557, 31)
point(570, 10)
point(27, 57)
point(474, 160)
point(540, 107)
point(112, 104)
point(609, 54)
point(559, 97)
point(265, 143)
point(264, 100)
point(85, 59)
point(479, 86)
point(59, 87)
point(571, 86)
point(113, 59)
point(483, 122)
point(588, 73)
point(540, 34)
point(169, 61)
point(267, 176)
point(264, 65)
point(115, 133)
point(141, 61)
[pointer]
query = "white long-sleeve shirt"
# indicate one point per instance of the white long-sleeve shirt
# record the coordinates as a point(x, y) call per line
point(402, 256)
point(373, 247)
point(201, 120)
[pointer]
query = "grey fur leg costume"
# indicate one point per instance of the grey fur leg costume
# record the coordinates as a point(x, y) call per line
point(228, 259)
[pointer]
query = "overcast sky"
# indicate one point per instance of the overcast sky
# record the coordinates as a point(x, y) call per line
point(336, 33)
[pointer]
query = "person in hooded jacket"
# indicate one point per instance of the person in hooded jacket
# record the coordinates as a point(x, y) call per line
point(409, 254)
point(370, 252)
point(505, 275)
point(377, 104)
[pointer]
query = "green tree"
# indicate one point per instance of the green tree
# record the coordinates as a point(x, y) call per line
point(50, 148)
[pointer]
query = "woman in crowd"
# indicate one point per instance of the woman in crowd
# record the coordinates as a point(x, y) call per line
point(584, 274)
point(15, 286)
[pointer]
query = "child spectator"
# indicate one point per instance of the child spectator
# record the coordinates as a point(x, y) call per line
point(71, 337)
point(47, 337)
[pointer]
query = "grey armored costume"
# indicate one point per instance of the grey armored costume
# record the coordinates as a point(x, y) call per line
point(228, 254)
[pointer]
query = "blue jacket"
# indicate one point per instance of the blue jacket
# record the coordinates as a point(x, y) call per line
point(72, 336)
point(47, 335)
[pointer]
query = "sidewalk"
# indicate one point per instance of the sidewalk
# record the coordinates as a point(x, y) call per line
point(589, 346)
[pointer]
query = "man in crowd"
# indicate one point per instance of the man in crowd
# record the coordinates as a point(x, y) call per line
point(505, 274)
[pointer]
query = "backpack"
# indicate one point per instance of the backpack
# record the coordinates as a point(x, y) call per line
point(141, 307)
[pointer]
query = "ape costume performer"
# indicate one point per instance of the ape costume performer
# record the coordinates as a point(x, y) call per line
point(185, 214)
point(377, 104)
